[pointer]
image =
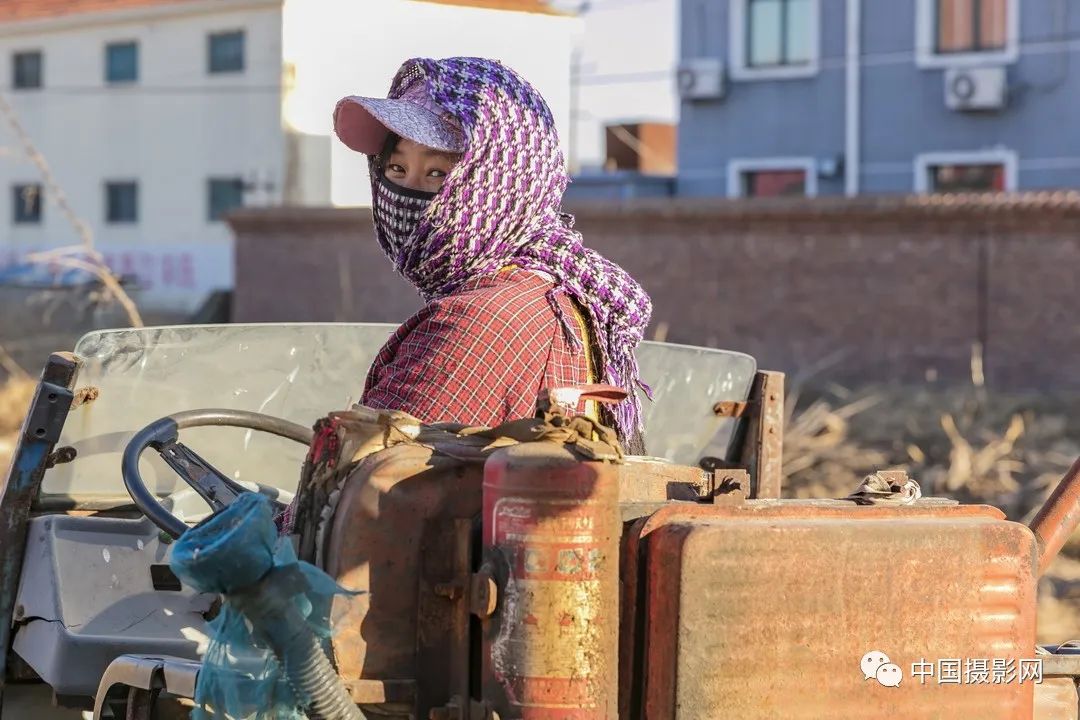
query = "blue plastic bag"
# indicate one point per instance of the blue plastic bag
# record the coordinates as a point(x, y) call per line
point(240, 677)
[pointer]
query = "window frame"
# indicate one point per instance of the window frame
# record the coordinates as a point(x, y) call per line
point(210, 181)
point(109, 46)
point(15, 55)
point(1005, 157)
point(217, 34)
point(16, 201)
point(739, 68)
point(109, 185)
point(927, 56)
point(737, 167)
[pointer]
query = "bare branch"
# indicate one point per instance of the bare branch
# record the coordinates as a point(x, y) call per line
point(104, 275)
point(12, 366)
point(97, 264)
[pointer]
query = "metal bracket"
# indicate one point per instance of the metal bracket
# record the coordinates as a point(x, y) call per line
point(48, 413)
point(175, 675)
point(483, 594)
point(60, 456)
point(729, 484)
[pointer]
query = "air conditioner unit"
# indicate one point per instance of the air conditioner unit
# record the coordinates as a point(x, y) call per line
point(701, 79)
point(975, 88)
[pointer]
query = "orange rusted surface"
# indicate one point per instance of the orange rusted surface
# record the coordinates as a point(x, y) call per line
point(1056, 699)
point(1058, 517)
point(766, 609)
point(395, 534)
point(644, 481)
point(551, 529)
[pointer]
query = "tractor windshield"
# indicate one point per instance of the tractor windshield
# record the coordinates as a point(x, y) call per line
point(300, 372)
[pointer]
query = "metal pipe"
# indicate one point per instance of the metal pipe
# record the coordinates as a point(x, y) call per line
point(1058, 518)
point(852, 117)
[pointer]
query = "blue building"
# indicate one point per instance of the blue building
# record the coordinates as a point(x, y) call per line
point(827, 97)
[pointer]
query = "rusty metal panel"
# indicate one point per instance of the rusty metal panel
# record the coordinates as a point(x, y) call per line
point(763, 439)
point(1056, 699)
point(443, 613)
point(766, 609)
point(631, 618)
point(400, 533)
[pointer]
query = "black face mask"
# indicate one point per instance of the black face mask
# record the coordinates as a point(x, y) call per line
point(397, 211)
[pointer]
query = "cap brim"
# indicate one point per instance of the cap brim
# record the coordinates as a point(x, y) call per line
point(363, 123)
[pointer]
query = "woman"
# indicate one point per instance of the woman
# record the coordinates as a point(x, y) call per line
point(467, 181)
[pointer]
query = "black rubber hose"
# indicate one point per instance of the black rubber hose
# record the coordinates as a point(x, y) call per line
point(276, 618)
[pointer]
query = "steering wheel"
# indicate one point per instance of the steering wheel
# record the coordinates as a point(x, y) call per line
point(214, 487)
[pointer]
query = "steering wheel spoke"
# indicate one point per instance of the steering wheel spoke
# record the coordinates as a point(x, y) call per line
point(217, 490)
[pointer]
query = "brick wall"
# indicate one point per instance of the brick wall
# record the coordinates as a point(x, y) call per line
point(874, 288)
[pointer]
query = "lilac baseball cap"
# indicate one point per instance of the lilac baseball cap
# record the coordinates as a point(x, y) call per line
point(363, 123)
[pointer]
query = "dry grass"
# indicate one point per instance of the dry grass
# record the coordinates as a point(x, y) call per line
point(15, 395)
point(1005, 450)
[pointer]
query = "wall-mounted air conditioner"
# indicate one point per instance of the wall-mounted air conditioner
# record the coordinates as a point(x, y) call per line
point(975, 88)
point(701, 79)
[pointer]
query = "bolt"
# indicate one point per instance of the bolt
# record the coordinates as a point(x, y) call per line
point(451, 591)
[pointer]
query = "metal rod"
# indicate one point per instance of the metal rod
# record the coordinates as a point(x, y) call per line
point(1058, 517)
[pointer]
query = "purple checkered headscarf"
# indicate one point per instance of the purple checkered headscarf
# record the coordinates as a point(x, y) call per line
point(501, 205)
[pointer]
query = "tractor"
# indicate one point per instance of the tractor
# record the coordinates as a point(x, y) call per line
point(532, 571)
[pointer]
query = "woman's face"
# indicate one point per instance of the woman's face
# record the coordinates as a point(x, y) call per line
point(419, 167)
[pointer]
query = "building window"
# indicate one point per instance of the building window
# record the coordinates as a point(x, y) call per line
point(121, 62)
point(225, 194)
point(777, 33)
point(989, 171)
point(970, 25)
point(774, 183)
point(774, 39)
point(772, 177)
point(967, 178)
point(27, 204)
point(121, 202)
point(226, 52)
point(26, 70)
point(955, 32)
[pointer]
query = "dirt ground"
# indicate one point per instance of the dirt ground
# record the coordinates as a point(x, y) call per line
point(965, 443)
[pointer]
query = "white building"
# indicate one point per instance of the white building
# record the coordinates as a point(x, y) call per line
point(156, 116)
point(626, 70)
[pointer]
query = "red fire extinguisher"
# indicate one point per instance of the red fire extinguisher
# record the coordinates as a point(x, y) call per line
point(551, 531)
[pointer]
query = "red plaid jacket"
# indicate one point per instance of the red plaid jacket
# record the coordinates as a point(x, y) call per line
point(479, 356)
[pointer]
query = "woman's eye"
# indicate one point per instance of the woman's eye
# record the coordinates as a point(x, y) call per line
point(395, 168)
point(437, 174)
